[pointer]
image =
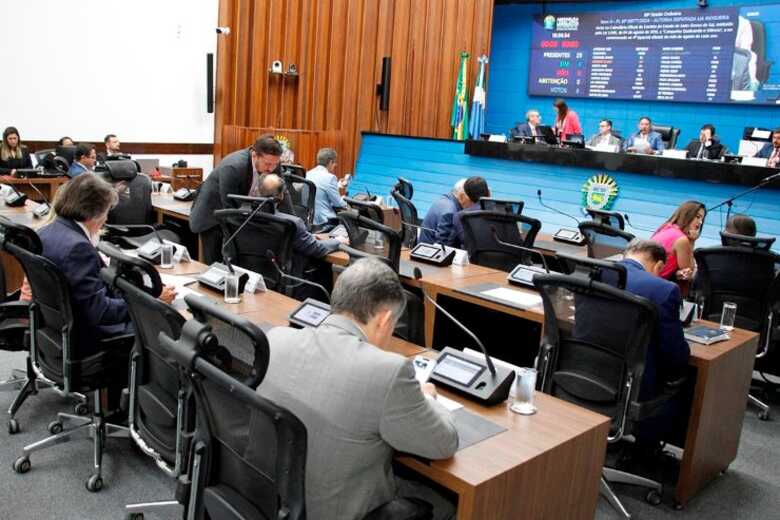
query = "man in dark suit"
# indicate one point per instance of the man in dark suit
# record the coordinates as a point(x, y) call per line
point(437, 224)
point(707, 146)
point(112, 149)
point(531, 126)
point(475, 187)
point(238, 174)
point(771, 151)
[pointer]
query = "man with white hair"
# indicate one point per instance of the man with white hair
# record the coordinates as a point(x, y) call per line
point(359, 403)
point(531, 126)
point(438, 223)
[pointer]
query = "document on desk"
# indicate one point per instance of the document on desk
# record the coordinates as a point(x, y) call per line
point(522, 299)
point(179, 283)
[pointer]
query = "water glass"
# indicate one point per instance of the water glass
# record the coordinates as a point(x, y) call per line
point(524, 393)
point(728, 315)
point(231, 288)
point(166, 256)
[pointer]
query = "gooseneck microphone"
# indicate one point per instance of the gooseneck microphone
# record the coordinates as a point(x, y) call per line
point(488, 360)
point(272, 258)
point(628, 221)
point(539, 196)
point(15, 199)
point(520, 248)
point(42, 209)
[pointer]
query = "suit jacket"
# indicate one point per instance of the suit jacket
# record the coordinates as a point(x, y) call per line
point(653, 139)
point(305, 244)
point(439, 219)
point(668, 352)
point(76, 169)
point(232, 176)
point(714, 151)
point(523, 130)
point(327, 196)
point(97, 312)
point(766, 151)
point(612, 140)
point(359, 404)
point(457, 225)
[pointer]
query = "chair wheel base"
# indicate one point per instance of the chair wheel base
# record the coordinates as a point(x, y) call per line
point(94, 483)
point(13, 426)
point(653, 497)
point(763, 416)
point(55, 427)
point(134, 516)
point(81, 409)
point(678, 506)
point(22, 464)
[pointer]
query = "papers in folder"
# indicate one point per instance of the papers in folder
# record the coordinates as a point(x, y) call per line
point(524, 299)
point(180, 283)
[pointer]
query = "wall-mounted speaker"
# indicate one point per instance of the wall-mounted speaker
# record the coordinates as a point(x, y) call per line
point(383, 89)
point(210, 83)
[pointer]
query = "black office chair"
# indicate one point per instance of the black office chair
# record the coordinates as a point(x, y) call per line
point(370, 210)
point(405, 188)
point(75, 369)
point(744, 276)
point(371, 237)
point(302, 193)
point(514, 207)
point(265, 232)
point(410, 222)
point(608, 218)
point(599, 365)
point(604, 241)
point(15, 323)
point(736, 240)
point(248, 453)
point(481, 243)
point(160, 413)
point(669, 135)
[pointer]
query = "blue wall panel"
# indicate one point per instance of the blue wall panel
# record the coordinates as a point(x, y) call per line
point(508, 98)
point(434, 166)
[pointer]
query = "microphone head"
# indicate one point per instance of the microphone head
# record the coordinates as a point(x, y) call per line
point(417, 273)
point(538, 193)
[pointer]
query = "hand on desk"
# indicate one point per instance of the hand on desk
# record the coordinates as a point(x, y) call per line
point(168, 294)
point(429, 389)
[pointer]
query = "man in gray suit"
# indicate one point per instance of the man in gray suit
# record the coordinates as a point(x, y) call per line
point(359, 403)
point(605, 135)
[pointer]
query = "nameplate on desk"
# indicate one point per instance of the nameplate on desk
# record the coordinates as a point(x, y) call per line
point(754, 161)
point(675, 154)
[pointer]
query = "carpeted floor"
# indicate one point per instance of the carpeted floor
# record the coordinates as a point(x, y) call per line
point(54, 487)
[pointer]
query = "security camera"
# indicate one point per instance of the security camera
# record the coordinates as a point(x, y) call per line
point(223, 30)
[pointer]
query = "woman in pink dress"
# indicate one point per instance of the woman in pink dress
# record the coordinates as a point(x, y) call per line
point(567, 121)
point(678, 236)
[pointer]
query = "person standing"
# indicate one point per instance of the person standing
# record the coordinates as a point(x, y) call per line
point(567, 122)
point(237, 174)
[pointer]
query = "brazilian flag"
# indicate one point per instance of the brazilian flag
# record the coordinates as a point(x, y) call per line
point(460, 109)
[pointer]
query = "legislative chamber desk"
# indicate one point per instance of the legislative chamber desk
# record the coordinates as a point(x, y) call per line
point(546, 465)
point(47, 186)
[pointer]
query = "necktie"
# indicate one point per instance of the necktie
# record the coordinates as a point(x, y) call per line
point(775, 157)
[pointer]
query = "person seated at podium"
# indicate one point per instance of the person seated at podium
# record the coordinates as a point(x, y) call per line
point(327, 198)
point(437, 226)
point(237, 174)
point(113, 145)
point(13, 154)
point(668, 352)
point(475, 188)
point(678, 236)
point(771, 151)
point(741, 225)
point(605, 137)
point(567, 122)
point(644, 140)
point(528, 129)
point(84, 159)
point(707, 146)
point(360, 403)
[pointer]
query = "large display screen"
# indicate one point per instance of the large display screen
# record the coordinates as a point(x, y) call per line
point(720, 55)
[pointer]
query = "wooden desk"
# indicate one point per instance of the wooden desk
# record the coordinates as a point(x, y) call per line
point(48, 186)
point(723, 374)
point(14, 275)
point(544, 466)
point(180, 177)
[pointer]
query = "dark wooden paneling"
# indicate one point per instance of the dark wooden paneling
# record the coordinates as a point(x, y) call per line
point(338, 46)
point(140, 148)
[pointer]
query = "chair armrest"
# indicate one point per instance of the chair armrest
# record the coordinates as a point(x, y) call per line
point(402, 509)
point(14, 310)
point(14, 296)
point(118, 341)
point(639, 411)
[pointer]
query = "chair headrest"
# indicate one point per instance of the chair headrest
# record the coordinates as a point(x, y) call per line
point(664, 130)
point(125, 170)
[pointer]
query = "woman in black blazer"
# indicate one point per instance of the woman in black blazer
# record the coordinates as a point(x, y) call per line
point(13, 155)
